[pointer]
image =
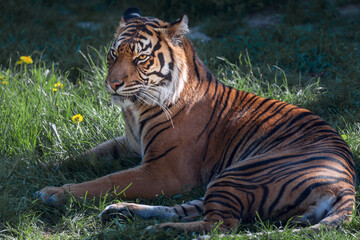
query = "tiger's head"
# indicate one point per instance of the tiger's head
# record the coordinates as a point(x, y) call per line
point(146, 61)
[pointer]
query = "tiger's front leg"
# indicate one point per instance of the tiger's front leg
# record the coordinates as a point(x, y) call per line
point(145, 181)
point(111, 149)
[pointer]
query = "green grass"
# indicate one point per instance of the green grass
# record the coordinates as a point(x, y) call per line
point(311, 59)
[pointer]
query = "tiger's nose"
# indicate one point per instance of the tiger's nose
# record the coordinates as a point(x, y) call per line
point(115, 84)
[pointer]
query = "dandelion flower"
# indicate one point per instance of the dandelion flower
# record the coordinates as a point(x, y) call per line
point(77, 118)
point(79, 82)
point(5, 82)
point(26, 59)
point(59, 84)
point(19, 62)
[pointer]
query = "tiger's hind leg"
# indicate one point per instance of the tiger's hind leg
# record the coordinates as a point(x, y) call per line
point(317, 210)
point(340, 212)
point(223, 210)
point(187, 211)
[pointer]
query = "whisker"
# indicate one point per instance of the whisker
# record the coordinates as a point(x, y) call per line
point(164, 92)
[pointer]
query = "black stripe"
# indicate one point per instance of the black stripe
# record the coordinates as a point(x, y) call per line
point(160, 123)
point(143, 122)
point(144, 29)
point(263, 200)
point(209, 79)
point(195, 67)
point(227, 196)
point(215, 91)
point(152, 25)
point(171, 64)
point(184, 210)
point(160, 156)
point(146, 47)
point(128, 115)
point(217, 212)
point(161, 60)
point(148, 110)
point(156, 47)
point(218, 117)
point(234, 214)
point(142, 37)
point(199, 209)
point(320, 177)
point(212, 114)
point(127, 34)
point(177, 213)
point(153, 138)
point(225, 183)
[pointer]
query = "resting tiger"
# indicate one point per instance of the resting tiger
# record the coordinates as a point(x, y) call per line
point(257, 156)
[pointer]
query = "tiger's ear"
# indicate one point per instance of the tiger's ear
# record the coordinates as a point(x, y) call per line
point(129, 14)
point(176, 30)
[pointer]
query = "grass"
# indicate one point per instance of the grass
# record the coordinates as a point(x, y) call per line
point(311, 59)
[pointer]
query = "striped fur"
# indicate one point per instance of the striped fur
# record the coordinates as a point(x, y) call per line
point(256, 156)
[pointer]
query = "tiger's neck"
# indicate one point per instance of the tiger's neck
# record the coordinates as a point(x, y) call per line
point(201, 83)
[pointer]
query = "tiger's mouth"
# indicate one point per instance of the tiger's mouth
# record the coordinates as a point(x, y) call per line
point(122, 98)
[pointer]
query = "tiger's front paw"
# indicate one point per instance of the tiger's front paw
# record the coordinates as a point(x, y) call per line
point(54, 196)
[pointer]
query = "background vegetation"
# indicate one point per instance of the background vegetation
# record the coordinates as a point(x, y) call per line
point(302, 52)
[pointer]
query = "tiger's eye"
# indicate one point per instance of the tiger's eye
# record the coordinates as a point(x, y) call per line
point(142, 57)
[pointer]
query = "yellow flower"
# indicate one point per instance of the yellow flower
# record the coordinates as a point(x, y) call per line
point(59, 84)
point(5, 82)
point(79, 82)
point(26, 59)
point(19, 62)
point(77, 118)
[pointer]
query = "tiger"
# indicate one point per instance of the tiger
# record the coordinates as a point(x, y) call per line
point(257, 157)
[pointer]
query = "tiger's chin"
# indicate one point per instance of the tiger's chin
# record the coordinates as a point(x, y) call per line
point(122, 100)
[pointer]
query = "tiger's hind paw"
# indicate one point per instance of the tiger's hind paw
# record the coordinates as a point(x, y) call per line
point(122, 211)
